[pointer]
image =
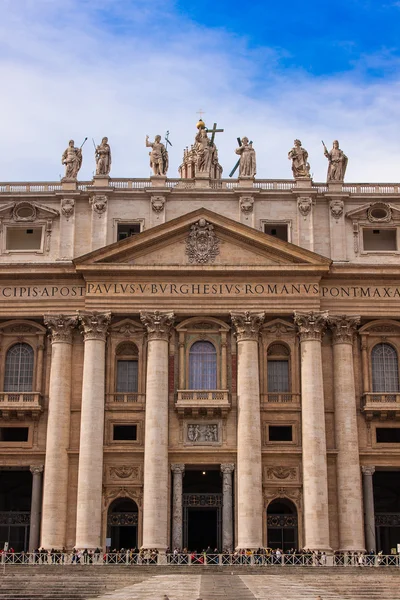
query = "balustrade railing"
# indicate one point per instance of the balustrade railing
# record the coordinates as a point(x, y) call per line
point(280, 398)
point(212, 395)
point(379, 399)
point(125, 398)
point(20, 401)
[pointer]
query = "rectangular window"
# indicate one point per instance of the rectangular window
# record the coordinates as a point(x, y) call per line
point(125, 433)
point(278, 376)
point(127, 230)
point(277, 230)
point(19, 238)
point(14, 434)
point(388, 435)
point(127, 376)
point(380, 240)
point(280, 433)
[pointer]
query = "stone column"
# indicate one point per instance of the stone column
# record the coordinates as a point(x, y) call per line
point(55, 489)
point(249, 477)
point(36, 507)
point(155, 491)
point(351, 534)
point(315, 477)
point(177, 524)
point(227, 505)
point(90, 472)
point(369, 510)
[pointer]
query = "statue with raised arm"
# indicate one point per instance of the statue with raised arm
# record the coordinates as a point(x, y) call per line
point(247, 162)
point(72, 159)
point(103, 157)
point(158, 156)
point(337, 162)
point(299, 157)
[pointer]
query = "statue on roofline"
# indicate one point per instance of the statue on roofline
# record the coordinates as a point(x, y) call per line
point(158, 156)
point(103, 157)
point(337, 162)
point(247, 162)
point(299, 157)
point(72, 159)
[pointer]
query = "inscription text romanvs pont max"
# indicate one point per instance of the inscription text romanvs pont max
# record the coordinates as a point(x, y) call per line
point(147, 289)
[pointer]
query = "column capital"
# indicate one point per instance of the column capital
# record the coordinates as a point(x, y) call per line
point(247, 325)
point(368, 470)
point(158, 324)
point(36, 469)
point(227, 468)
point(343, 328)
point(177, 468)
point(94, 325)
point(61, 327)
point(311, 325)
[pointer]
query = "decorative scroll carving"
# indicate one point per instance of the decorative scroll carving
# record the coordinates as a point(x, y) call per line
point(293, 494)
point(246, 204)
point(304, 205)
point(126, 519)
point(126, 328)
point(281, 473)
point(202, 245)
point(61, 327)
point(379, 212)
point(99, 204)
point(383, 329)
point(343, 328)
point(36, 469)
point(311, 325)
point(247, 325)
point(278, 327)
point(67, 207)
point(21, 329)
point(227, 468)
point(336, 207)
point(202, 499)
point(202, 434)
point(24, 211)
point(368, 470)
point(134, 494)
point(125, 472)
point(282, 521)
point(157, 203)
point(94, 325)
point(158, 324)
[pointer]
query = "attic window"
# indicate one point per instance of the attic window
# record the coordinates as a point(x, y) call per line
point(277, 230)
point(380, 240)
point(23, 239)
point(126, 230)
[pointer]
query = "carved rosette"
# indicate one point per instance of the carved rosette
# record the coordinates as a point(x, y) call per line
point(158, 324)
point(246, 204)
point(94, 325)
point(202, 245)
point(157, 203)
point(368, 470)
point(61, 327)
point(247, 325)
point(67, 207)
point(36, 469)
point(336, 207)
point(227, 468)
point(311, 325)
point(343, 328)
point(99, 204)
point(304, 204)
point(178, 468)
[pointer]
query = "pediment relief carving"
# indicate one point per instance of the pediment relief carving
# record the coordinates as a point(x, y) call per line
point(134, 493)
point(381, 328)
point(126, 328)
point(20, 327)
point(27, 212)
point(279, 328)
point(375, 212)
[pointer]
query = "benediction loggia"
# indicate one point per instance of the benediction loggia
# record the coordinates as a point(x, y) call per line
point(200, 361)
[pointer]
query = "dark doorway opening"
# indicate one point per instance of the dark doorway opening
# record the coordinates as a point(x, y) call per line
point(122, 524)
point(202, 528)
point(15, 509)
point(387, 509)
point(282, 525)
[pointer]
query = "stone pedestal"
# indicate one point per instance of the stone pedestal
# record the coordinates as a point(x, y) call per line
point(155, 492)
point(158, 181)
point(36, 507)
point(55, 488)
point(249, 476)
point(351, 535)
point(102, 181)
point(315, 478)
point(69, 184)
point(227, 506)
point(177, 521)
point(90, 472)
point(369, 510)
point(246, 182)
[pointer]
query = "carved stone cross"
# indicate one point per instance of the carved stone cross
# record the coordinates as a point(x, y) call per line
point(213, 131)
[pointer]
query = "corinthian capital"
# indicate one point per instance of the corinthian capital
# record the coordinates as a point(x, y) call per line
point(158, 324)
point(247, 325)
point(367, 470)
point(227, 468)
point(311, 325)
point(36, 469)
point(343, 328)
point(94, 325)
point(178, 468)
point(61, 327)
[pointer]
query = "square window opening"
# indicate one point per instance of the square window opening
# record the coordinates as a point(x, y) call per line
point(18, 238)
point(125, 230)
point(14, 434)
point(125, 433)
point(388, 435)
point(280, 433)
point(277, 230)
point(380, 240)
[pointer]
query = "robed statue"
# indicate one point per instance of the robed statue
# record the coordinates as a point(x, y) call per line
point(158, 156)
point(337, 164)
point(299, 157)
point(72, 159)
point(103, 157)
point(206, 152)
point(247, 162)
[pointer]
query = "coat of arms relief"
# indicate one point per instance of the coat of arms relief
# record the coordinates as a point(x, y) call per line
point(202, 245)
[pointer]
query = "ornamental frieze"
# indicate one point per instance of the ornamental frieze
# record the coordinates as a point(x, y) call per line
point(281, 473)
point(124, 472)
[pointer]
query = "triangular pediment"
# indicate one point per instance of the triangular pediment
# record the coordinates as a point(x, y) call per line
point(202, 240)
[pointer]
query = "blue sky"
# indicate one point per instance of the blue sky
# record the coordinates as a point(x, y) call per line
point(270, 70)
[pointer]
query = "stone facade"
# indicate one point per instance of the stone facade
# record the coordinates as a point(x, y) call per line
point(265, 272)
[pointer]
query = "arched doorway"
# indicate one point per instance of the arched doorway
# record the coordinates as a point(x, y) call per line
point(122, 524)
point(282, 530)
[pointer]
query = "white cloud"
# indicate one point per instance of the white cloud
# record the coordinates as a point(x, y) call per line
point(74, 69)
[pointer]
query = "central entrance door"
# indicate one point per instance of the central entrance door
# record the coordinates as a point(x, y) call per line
point(122, 522)
point(202, 509)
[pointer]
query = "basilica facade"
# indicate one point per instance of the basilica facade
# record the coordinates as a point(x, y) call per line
point(200, 361)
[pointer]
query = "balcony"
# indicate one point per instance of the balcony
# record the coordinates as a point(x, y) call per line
point(281, 400)
point(16, 405)
point(125, 401)
point(202, 403)
point(382, 405)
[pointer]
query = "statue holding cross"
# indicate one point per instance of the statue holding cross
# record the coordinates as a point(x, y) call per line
point(206, 152)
